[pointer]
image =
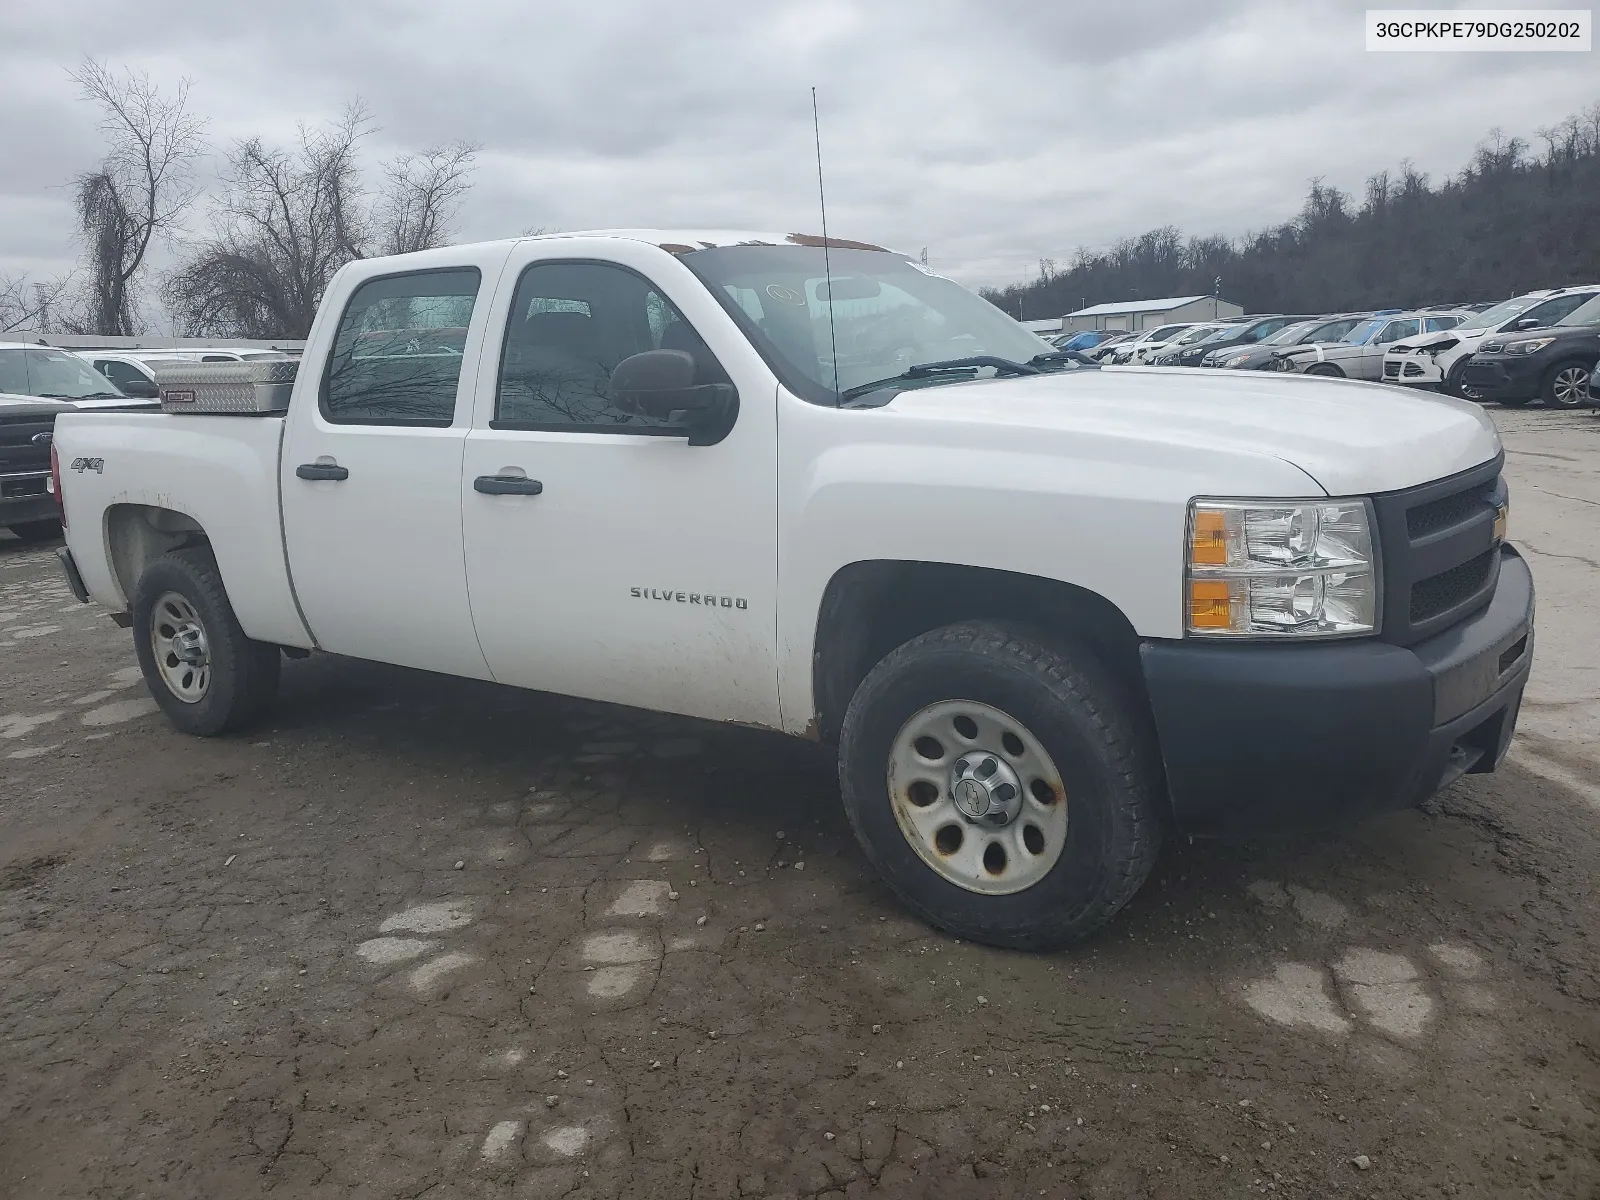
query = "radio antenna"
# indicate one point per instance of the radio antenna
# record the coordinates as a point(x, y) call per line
point(827, 267)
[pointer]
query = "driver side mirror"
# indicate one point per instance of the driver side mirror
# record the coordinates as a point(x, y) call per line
point(661, 384)
point(141, 389)
point(1528, 323)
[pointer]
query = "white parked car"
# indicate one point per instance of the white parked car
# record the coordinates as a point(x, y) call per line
point(1139, 349)
point(1437, 361)
point(29, 369)
point(1360, 354)
point(1043, 610)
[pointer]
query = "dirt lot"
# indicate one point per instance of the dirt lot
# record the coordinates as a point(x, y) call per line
point(424, 938)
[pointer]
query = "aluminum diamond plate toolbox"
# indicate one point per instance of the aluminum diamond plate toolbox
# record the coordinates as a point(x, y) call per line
point(258, 386)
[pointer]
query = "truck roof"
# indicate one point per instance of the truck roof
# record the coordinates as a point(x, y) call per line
point(686, 241)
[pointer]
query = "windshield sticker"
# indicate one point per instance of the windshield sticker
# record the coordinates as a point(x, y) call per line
point(784, 295)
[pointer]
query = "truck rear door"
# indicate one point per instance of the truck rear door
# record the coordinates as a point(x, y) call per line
point(371, 471)
point(628, 565)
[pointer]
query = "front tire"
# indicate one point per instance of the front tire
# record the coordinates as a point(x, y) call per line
point(207, 676)
point(1001, 784)
point(1566, 385)
point(1454, 386)
point(1327, 370)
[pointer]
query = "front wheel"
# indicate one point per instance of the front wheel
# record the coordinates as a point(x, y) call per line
point(1327, 370)
point(207, 676)
point(1002, 785)
point(1454, 386)
point(1566, 385)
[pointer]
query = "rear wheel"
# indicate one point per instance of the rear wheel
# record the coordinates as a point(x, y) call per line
point(1001, 785)
point(38, 531)
point(206, 675)
point(1566, 385)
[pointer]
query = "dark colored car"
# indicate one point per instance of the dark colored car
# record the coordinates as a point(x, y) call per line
point(1260, 356)
point(27, 505)
point(1246, 333)
point(1555, 364)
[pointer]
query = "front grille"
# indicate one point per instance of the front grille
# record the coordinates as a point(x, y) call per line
point(1440, 559)
point(18, 452)
point(1442, 592)
point(1448, 510)
point(1391, 370)
point(1413, 369)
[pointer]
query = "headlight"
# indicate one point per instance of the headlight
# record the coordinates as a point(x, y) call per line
point(1529, 347)
point(1236, 360)
point(1288, 569)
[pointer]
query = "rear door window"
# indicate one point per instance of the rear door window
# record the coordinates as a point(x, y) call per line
point(399, 349)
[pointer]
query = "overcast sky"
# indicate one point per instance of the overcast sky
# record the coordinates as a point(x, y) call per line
point(992, 132)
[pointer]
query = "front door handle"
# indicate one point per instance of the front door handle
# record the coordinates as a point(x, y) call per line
point(319, 470)
point(507, 485)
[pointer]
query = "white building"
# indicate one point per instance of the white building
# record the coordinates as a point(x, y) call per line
point(1147, 314)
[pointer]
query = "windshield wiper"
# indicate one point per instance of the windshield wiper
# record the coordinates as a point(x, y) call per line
point(1063, 356)
point(1002, 366)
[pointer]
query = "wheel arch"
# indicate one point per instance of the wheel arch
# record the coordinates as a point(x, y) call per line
point(870, 607)
point(138, 534)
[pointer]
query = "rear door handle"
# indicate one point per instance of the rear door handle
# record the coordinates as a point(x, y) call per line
point(507, 485)
point(322, 471)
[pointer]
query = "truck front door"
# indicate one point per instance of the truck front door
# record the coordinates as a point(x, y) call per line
point(371, 476)
point(627, 565)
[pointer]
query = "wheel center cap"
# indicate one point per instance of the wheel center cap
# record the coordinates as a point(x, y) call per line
point(985, 789)
point(189, 644)
point(972, 798)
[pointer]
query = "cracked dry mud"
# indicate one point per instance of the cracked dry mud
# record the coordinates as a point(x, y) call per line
point(252, 967)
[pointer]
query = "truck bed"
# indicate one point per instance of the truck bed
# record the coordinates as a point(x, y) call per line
point(220, 472)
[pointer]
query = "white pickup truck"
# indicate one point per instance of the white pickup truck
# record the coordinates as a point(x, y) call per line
point(1045, 611)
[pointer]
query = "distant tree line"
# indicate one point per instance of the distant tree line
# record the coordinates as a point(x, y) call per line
point(1518, 216)
point(282, 219)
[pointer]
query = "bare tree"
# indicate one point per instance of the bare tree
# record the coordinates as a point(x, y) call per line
point(28, 304)
point(288, 219)
point(139, 192)
point(421, 196)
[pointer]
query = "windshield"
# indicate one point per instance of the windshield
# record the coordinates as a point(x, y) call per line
point(53, 373)
point(1362, 333)
point(1166, 333)
point(1220, 334)
point(886, 315)
point(1198, 334)
point(1290, 334)
point(1500, 313)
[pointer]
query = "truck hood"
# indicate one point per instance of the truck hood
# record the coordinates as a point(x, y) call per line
point(1351, 438)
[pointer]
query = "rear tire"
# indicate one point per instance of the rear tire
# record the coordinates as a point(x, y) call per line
point(38, 531)
point(1078, 846)
point(1566, 385)
point(207, 676)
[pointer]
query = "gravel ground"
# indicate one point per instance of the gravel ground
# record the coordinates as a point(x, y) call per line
point(421, 937)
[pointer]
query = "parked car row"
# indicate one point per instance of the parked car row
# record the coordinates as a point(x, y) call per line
point(1542, 345)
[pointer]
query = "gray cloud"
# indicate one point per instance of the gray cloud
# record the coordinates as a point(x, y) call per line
point(994, 132)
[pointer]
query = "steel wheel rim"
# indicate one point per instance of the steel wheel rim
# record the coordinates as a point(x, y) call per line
point(181, 649)
point(1571, 386)
point(975, 853)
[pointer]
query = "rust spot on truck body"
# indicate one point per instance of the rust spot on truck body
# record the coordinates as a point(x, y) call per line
point(833, 243)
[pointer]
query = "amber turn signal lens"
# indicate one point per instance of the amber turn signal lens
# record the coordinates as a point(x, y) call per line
point(1209, 606)
point(1208, 546)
